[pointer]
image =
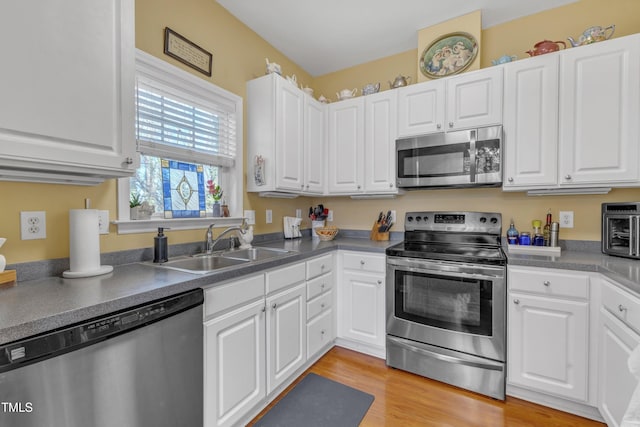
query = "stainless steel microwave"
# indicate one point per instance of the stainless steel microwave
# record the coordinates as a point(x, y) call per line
point(465, 158)
point(621, 229)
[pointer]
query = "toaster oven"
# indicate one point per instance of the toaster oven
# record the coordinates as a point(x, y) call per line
point(621, 229)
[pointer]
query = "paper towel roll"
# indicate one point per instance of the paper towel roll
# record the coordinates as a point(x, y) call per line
point(84, 244)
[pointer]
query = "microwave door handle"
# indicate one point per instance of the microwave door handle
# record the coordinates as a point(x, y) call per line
point(472, 154)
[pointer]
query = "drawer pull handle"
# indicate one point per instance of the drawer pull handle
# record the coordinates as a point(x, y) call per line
point(516, 301)
point(546, 283)
point(622, 308)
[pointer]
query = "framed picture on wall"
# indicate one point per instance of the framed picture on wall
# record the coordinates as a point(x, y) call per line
point(448, 55)
point(187, 52)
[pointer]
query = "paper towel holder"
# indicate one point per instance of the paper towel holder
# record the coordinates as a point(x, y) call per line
point(84, 245)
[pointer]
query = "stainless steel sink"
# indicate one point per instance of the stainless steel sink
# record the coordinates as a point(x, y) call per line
point(202, 264)
point(254, 254)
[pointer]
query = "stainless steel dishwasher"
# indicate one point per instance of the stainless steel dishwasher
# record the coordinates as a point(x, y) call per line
point(135, 368)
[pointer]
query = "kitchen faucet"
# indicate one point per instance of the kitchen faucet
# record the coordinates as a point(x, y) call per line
point(209, 243)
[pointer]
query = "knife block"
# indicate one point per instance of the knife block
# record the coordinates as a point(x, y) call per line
point(376, 235)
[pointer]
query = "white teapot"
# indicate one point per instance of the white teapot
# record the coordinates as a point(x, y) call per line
point(346, 93)
point(272, 67)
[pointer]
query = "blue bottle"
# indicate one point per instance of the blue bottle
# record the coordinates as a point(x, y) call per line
point(512, 234)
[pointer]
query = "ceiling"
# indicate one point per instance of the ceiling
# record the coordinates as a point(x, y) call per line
point(330, 35)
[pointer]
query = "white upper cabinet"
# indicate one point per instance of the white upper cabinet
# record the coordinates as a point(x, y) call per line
point(531, 123)
point(346, 146)
point(599, 112)
point(465, 101)
point(67, 85)
point(571, 118)
point(474, 99)
point(380, 142)
point(421, 108)
point(286, 128)
point(315, 131)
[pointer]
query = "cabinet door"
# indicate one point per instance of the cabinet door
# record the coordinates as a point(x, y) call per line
point(531, 123)
point(599, 110)
point(474, 99)
point(346, 145)
point(289, 136)
point(421, 108)
point(286, 334)
point(319, 332)
point(361, 306)
point(615, 384)
point(380, 142)
point(315, 146)
point(68, 88)
point(234, 369)
point(547, 345)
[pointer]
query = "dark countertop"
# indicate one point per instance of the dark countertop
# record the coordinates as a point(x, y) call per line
point(37, 306)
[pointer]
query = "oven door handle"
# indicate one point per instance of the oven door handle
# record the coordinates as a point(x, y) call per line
point(467, 361)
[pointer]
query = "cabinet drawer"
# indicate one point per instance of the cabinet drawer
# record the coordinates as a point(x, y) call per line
point(319, 285)
point(233, 293)
point(319, 304)
point(285, 277)
point(621, 304)
point(318, 266)
point(364, 262)
point(319, 332)
point(549, 282)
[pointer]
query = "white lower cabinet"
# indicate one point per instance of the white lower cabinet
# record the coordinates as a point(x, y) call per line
point(287, 335)
point(548, 327)
point(234, 350)
point(361, 302)
point(619, 316)
point(235, 368)
point(258, 336)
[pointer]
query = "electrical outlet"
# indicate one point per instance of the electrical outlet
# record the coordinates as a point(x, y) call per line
point(298, 213)
point(33, 225)
point(250, 216)
point(393, 217)
point(566, 219)
point(330, 215)
point(269, 216)
point(103, 222)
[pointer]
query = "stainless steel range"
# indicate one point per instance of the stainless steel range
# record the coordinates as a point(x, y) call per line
point(446, 300)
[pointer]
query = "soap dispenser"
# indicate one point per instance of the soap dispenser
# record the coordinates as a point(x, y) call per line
point(160, 247)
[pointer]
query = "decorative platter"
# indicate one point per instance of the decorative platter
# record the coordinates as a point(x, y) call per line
point(448, 55)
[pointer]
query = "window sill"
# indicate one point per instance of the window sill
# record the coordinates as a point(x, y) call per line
point(151, 225)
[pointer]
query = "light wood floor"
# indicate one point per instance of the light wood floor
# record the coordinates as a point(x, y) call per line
point(404, 399)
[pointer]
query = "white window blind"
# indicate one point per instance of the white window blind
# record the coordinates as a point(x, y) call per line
point(181, 126)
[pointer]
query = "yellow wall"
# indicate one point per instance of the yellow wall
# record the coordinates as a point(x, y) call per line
point(238, 56)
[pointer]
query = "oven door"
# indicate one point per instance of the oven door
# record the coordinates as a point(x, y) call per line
point(461, 158)
point(457, 306)
point(620, 235)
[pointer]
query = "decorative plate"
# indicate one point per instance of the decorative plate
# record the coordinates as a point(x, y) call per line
point(448, 55)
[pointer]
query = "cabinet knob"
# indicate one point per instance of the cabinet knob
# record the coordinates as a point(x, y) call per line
point(274, 306)
point(322, 305)
point(567, 177)
point(361, 262)
point(438, 126)
point(264, 308)
point(128, 161)
point(622, 308)
point(516, 301)
point(379, 282)
point(391, 185)
point(307, 186)
point(322, 286)
point(322, 267)
point(322, 332)
point(302, 187)
point(359, 187)
point(546, 283)
point(510, 179)
point(450, 124)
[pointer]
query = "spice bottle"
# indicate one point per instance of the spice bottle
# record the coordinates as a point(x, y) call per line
point(547, 229)
point(512, 234)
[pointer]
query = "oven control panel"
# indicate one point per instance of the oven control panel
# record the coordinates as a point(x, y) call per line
point(484, 222)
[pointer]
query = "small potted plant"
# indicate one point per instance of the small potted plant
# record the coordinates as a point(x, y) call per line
point(135, 204)
point(216, 194)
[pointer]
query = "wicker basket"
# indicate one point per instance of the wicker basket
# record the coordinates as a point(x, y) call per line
point(326, 233)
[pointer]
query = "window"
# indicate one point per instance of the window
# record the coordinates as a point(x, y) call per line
point(183, 118)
